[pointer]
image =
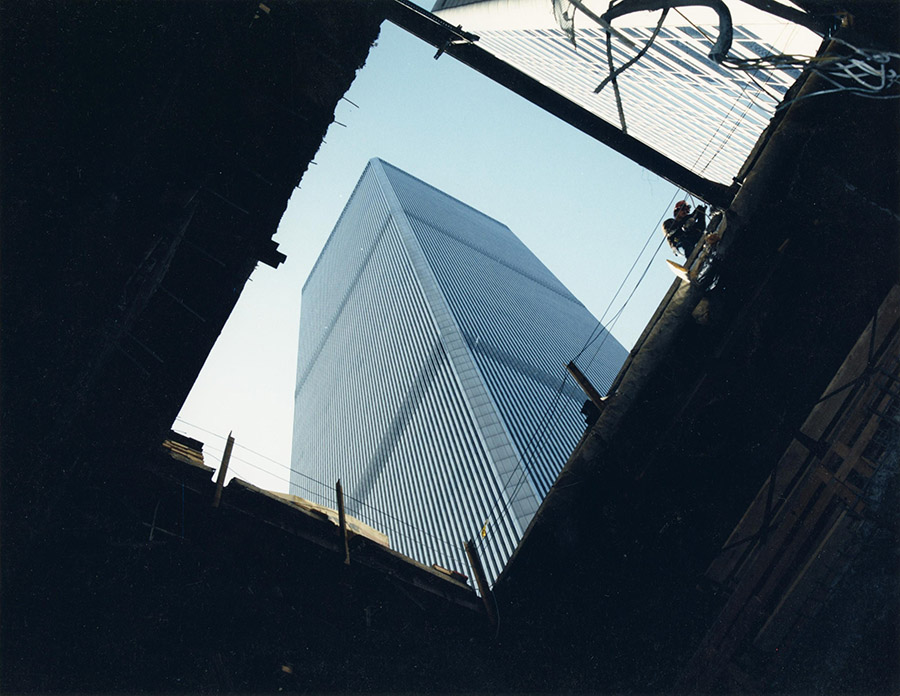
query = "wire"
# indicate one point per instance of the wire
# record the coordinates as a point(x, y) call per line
point(864, 73)
point(600, 324)
point(625, 279)
point(640, 54)
point(530, 448)
point(880, 56)
point(446, 543)
point(734, 126)
point(258, 454)
point(209, 432)
point(325, 487)
point(531, 445)
point(615, 81)
point(601, 327)
point(747, 64)
point(628, 299)
point(391, 528)
point(712, 41)
point(544, 425)
point(606, 335)
point(637, 258)
point(506, 508)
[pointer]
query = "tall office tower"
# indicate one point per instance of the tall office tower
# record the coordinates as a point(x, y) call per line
point(703, 114)
point(430, 373)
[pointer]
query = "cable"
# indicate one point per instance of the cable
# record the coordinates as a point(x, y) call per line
point(737, 121)
point(258, 454)
point(506, 508)
point(618, 314)
point(210, 432)
point(615, 81)
point(865, 71)
point(699, 29)
point(391, 528)
point(543, 426)
point(545, 422)
point(734, 63)
point(615, 318)
point(625, 279)
point(446, 543)
point(325, 487)
point(637, 258)
point(774, 97)
point(523, 470)
point(628, 299)
point(640, 54)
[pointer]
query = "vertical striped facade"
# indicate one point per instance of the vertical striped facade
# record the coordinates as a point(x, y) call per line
point(430, 373)
point(675, 98)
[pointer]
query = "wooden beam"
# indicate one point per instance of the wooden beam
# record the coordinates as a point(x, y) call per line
point(342, 520)
point(223, 469)
point(481, 580)
point(586, 386)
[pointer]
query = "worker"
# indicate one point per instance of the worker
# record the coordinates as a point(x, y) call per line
point(685, 228)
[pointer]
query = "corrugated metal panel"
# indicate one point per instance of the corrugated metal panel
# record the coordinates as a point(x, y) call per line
point(675, 99)
point(427, 363)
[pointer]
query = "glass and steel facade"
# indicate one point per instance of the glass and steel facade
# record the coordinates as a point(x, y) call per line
point(431, 373)
point(675, 98)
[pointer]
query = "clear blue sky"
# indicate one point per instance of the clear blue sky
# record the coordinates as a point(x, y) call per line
point(585, 211)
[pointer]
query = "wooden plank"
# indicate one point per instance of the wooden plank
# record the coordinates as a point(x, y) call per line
point(586, 385)
point(817, 569)
point(481, 580)
point(765, 570)
point(223, 469)
point(355, 527)
point(342, 521)
point(727, 564)
point(854, 365)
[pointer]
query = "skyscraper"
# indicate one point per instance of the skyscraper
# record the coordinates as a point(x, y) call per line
point(703, 114)
point(430, 372)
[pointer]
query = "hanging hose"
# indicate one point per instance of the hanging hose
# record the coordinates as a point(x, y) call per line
point(723, 43)
point(614, 74)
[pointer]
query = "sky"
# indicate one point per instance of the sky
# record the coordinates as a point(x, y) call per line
point(584, 210)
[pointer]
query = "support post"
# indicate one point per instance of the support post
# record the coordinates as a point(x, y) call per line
point(223, 469)
point(586, 385)
point(342, 520)
point(481, 580)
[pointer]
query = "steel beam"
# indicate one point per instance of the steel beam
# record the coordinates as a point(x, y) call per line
point(462, 46)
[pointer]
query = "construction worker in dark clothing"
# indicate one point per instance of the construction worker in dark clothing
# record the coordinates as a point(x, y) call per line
point(685, 229)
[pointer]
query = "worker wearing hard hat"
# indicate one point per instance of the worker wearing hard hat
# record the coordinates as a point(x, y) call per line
point(685, 229)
